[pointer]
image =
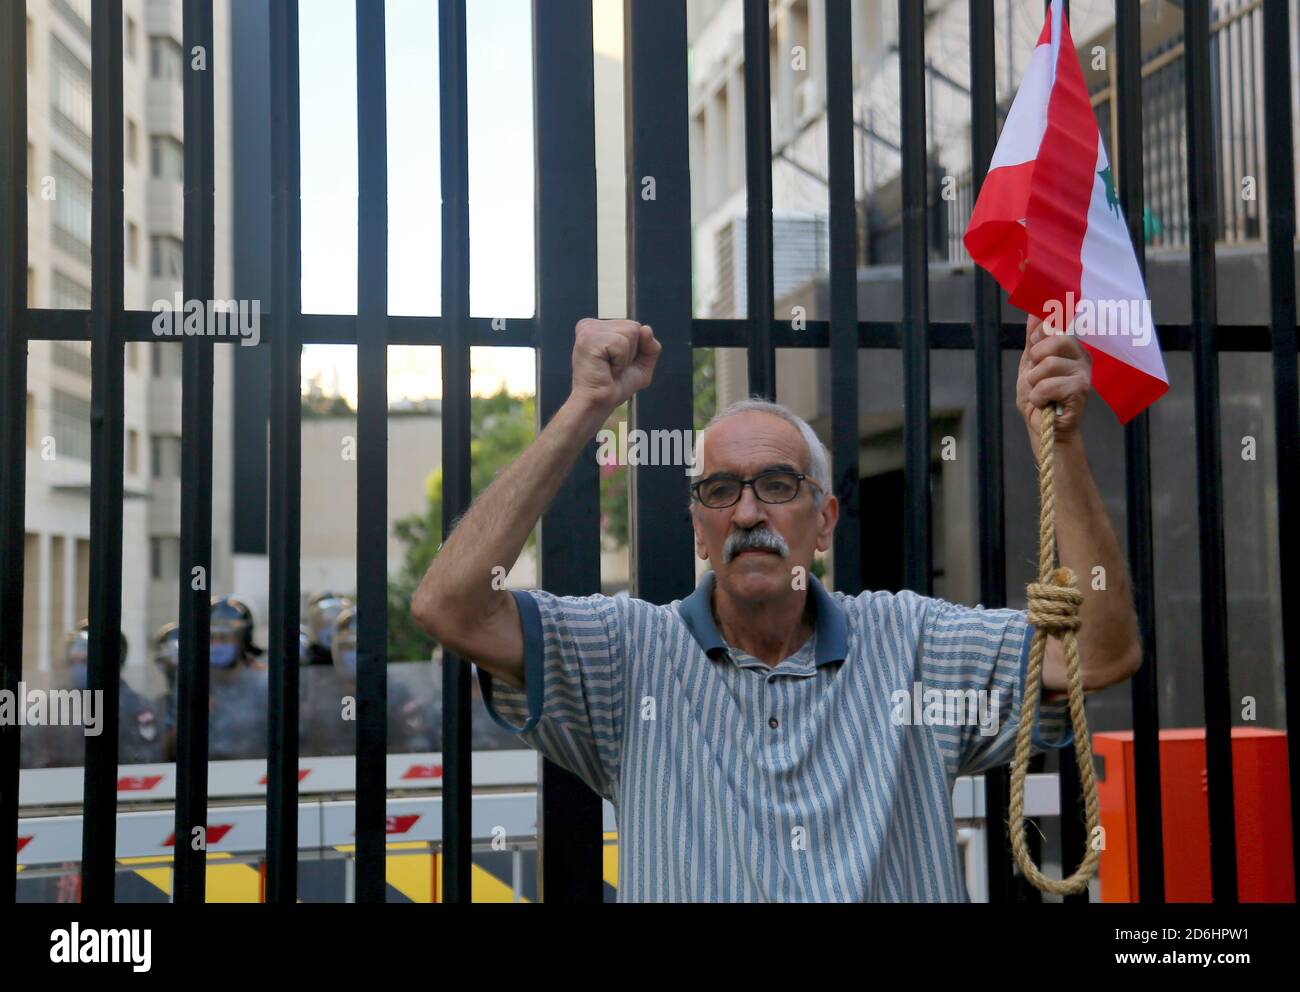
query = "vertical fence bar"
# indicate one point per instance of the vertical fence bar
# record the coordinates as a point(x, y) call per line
point(1279, 162)
point(988, 410)
point(285, 517)
point(758, 199)
point(1203, 208)
point(1137, 459)
point(372, 452)
point(843, 295)
point(569, 844)
point(13, 408)
point(99, 830)
point(916, 301)
point(194, 597)
point(456, 426)
point(657, 151)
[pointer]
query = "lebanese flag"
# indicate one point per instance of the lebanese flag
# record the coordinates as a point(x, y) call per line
point(1048, 227)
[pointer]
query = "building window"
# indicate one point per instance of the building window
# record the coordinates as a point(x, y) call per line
point(74, 356)
point(133, 451)
point(31, 286)
point(166, 158)
point(70, 424)
point(132, 244)
point(132, 141)
point(70, 218)
point(164, 456)
point(77, 13)
point(155, 361)
point(165, 58)
point(166, 257)
point(68, 294)
point(31, 420)
point(32, 181)
point(133, 355)
point(70, 107)
point(164, 557)
point(129, 37)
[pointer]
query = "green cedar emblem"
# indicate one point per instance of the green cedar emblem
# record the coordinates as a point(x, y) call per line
point(1112, 201)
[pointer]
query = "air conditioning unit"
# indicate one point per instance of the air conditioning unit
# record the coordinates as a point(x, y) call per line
point(806, 105)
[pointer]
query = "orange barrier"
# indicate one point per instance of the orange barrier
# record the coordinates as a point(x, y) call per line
point(1261, 803)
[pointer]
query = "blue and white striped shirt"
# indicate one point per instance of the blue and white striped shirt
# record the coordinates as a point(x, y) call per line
point(826, 778)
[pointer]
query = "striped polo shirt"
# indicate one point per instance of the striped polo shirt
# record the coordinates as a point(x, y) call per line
point(825, 778)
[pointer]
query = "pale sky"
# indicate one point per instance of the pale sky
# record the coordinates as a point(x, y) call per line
point(499, 39)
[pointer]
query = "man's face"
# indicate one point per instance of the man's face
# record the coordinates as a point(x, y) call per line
point(790, 533)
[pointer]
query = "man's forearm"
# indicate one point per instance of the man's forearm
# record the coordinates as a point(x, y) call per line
point(458, 585)
point(1085, 539)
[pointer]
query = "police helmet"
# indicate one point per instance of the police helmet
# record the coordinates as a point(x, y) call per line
point(77, 654)
point(166, 650)
point(322, 615)
point(230, 631)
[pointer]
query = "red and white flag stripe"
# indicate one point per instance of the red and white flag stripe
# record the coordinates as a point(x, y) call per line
point(1048, 227)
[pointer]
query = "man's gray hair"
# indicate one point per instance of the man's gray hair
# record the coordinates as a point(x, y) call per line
point(819, 462)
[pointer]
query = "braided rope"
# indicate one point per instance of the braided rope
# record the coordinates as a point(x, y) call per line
point(1054, 603)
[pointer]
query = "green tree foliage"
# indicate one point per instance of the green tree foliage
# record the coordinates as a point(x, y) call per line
point(326, 406)
point(502, 426)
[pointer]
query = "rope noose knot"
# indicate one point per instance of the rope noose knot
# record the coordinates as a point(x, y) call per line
point(1054, 605)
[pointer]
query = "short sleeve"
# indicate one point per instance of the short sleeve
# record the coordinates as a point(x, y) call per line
point(978, 658)
point(571, 706)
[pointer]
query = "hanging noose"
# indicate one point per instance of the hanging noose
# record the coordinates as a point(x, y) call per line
point(1054, 602)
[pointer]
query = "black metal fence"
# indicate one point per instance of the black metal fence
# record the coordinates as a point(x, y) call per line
point(1237, 140)
point(660, 294)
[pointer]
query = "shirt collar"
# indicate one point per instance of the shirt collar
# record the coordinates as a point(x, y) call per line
point(832, 629)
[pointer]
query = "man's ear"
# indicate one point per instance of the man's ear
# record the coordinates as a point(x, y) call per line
point(830, 515)
point(701, 549)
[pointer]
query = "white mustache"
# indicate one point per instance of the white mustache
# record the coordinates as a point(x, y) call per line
point(760, 539)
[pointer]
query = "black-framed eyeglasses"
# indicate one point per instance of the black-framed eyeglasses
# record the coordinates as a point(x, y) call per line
point(718, 492)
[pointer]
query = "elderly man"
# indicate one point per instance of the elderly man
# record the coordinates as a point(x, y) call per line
point(764, 738)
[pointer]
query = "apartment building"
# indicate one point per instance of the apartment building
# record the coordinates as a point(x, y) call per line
point(59, 276)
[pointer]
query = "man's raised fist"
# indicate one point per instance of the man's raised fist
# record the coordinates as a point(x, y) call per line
point(612, 359)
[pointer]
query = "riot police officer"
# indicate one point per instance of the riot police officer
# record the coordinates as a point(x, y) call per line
point(327, 724)
point(323, 610)
point(414, 724)
point(237, 684)
point(139, 729)
point(304, 644)
point(166, 655)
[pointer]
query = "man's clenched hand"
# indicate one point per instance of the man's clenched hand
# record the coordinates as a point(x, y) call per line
point(612, 359)
point(1054, 368)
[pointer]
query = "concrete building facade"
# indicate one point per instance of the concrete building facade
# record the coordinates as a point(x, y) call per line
point(57, 551)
